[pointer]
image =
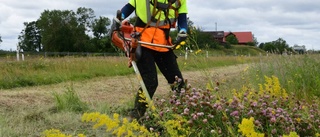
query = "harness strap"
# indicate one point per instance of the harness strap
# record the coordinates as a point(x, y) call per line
point(158, 7)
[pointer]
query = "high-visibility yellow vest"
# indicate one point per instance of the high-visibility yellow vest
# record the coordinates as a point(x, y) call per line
point(145, 10)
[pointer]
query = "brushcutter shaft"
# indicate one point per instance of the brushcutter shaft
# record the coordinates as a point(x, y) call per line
point(152, 44)
point(143, 86)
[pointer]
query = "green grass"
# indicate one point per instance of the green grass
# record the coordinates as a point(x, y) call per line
point(298, 74)
point(43, 71)
point(201, 62)
point(69, 101)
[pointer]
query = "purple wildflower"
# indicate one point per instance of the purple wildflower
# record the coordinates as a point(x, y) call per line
point(234, 113)
point(219, 107)
point(273, 120)
point(186, 111)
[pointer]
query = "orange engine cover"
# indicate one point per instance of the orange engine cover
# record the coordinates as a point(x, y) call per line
point(126, 30)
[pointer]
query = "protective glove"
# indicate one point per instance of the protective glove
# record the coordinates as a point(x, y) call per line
point(181, 38)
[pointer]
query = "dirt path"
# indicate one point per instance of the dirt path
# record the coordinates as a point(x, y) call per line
point(108, 89)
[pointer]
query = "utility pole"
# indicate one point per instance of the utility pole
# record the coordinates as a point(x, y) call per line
point(216, 26)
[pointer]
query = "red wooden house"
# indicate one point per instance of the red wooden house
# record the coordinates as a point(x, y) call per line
point(243, 37)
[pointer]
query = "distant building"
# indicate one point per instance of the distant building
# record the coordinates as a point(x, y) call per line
point(216, 35)
point(243, 37)
point(299, 49)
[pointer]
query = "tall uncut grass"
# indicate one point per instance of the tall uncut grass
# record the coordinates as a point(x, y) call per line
point(69, 101)
point(42, 71)
point(262, 107)
point(298, 74)
point(276, 96)
point(268, 111)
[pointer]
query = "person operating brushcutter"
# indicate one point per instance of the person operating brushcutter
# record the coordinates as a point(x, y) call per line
point(154, 20)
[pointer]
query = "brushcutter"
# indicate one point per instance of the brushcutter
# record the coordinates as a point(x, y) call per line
point(124, 37)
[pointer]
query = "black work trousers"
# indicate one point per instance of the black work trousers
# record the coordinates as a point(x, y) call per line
point(167, 64)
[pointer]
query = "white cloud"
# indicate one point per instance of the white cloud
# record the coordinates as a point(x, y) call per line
point(297, 22)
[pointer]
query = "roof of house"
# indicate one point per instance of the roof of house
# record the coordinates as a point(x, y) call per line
point(216, 34)
point(243, 37)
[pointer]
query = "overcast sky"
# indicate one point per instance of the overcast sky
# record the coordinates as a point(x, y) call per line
point(296, 21)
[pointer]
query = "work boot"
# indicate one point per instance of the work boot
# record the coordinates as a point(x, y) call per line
point(134, 114)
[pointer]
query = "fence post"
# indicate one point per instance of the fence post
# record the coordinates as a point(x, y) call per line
point(22, 55)
point(207, 53)
point(186, 55)
point(18, 49)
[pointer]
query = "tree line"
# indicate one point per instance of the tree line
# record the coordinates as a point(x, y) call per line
point(66, 30)
point(82, 31)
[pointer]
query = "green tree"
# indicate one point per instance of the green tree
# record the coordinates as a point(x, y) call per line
point(29, 38)
point(99, 27)
point(281, 45)
point(277, 46)
point(101, 41)
point(232, 39)
point(261, 46)
point(85, 17)
point(206, 40)
point(254, 43)
point(269, 47)
point(62, 31)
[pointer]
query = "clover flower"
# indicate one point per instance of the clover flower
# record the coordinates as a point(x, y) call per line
point(234, 113)
point(273, 120)
point(186, 111)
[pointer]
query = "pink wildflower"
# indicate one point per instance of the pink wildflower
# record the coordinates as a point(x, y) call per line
point(234, 113)
point(205, 120)
point(273, 120)
point(186, 111)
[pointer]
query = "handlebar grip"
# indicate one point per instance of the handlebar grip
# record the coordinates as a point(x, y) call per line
point(119, 15)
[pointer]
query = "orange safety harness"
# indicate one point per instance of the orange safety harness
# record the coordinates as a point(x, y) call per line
point(158, 7)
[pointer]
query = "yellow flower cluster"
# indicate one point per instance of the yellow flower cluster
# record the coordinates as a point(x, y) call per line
point(247, 128)
point(144, 99)
point(245, 89)
point(57, 133)
point(292, 134)
point(198, 51)
point(272, 85)
point(174, 127)
point(114, 125)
